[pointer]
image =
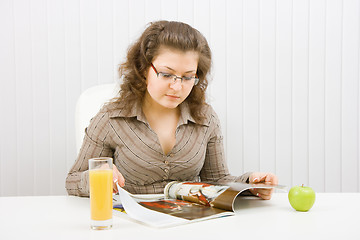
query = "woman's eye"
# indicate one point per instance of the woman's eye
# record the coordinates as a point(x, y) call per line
point(188, 78)
point(166, 75)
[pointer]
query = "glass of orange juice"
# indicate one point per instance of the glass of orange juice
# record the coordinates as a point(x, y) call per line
point(101, 189)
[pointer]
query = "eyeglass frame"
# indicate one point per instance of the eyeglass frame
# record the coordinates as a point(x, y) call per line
point(196, 78)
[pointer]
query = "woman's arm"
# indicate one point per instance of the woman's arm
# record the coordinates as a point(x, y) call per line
point(215, 168)
point(94, 145)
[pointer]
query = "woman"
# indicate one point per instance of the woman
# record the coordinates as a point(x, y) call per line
point(160, 128)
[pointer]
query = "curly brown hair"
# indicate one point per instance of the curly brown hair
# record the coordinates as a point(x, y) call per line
point(175, 35)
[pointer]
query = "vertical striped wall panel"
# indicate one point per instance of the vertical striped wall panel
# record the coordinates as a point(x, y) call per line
point(285, 83)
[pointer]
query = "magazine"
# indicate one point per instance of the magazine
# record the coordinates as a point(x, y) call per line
point(183, 202)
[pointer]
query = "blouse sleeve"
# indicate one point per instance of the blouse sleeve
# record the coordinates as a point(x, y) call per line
point(215, 168)
point(95, 144)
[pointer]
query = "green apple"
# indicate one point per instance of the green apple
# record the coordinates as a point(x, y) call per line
point(301, 198)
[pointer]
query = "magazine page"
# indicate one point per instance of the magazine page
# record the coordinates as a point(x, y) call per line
point(200, 193)
point(211, 194)
point(183, 202)
point(185, 209)
point(155, 211)
point(227, 199)
point(145, 215)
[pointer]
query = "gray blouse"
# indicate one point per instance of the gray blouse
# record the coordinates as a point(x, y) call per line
point(198, 153)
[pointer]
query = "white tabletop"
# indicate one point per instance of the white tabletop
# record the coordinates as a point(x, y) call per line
point(334, 216)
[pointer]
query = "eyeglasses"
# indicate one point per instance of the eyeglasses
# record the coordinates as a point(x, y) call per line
point(167, 77)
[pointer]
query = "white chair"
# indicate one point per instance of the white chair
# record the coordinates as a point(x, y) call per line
point(88, 104)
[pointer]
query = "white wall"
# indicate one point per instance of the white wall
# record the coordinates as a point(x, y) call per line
point(285, 83)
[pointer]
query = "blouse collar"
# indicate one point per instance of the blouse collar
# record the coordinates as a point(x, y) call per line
point(136, 111)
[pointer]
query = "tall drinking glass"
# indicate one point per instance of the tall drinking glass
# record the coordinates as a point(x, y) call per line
point(101, 188)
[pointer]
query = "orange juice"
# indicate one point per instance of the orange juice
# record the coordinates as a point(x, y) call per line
point(101, 189)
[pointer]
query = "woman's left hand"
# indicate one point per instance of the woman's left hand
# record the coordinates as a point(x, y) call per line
point(266, 178)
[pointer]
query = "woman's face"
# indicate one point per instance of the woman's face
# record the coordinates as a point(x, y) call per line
point(169, 94)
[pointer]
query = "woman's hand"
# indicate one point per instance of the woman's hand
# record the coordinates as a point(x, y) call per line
point(117, 177)
point(266, 178)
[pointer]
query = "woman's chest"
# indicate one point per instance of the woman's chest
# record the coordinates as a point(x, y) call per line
point(138, 147)
point(139, 138)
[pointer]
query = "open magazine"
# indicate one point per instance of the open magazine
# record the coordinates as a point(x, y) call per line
point(183, 202)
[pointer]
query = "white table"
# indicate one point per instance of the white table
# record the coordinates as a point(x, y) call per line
point(334, 216)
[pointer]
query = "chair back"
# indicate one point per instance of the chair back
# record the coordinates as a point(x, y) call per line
point(88, 105)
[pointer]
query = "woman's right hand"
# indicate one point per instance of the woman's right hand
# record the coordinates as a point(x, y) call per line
point(117, 177)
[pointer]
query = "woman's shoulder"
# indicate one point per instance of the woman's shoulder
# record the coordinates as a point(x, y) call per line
point(111, 108)
point(104, 113)
point(208, 109)
point(210, 116)
point(102, 117)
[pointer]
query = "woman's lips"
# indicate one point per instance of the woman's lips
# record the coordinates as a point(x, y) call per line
point(172, 96)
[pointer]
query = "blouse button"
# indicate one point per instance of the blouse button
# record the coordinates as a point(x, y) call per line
point(166, 162)
point(171, 155)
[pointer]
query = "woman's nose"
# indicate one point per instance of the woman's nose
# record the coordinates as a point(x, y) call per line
point(176, 84)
